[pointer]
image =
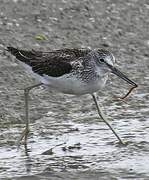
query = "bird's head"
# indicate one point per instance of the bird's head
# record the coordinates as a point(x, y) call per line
point(105, 62)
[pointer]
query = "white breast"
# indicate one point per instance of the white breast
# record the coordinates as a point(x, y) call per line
point(69, 84)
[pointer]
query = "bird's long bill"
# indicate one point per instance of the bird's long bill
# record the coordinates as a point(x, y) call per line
point(122, 76)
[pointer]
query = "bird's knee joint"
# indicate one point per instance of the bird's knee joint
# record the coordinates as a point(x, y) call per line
point(26, 90)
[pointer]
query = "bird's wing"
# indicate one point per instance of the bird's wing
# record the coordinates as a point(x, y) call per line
point(53, 63)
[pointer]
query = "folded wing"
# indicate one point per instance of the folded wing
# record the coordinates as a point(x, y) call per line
point(53, 63)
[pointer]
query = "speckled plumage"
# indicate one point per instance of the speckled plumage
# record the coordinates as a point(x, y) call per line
point(72, 71)
point(53, 63)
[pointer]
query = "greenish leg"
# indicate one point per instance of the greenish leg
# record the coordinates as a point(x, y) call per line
point(102, 116)
point(24, 134)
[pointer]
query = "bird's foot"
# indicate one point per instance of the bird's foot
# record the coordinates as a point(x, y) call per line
point(24, 135)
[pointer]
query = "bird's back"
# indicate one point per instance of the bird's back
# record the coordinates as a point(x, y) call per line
point(53, 63)
point(66, 70)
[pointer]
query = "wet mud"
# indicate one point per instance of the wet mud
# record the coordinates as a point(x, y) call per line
point(67, 139)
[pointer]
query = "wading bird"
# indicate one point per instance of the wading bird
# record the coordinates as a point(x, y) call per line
point(70, 71)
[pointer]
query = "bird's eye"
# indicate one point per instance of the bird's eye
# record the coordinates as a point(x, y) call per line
point(101, 60)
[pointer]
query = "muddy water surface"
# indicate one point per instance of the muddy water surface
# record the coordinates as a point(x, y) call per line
point(82, 145)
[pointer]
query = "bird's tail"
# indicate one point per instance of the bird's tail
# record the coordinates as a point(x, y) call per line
point(22, 55)
point(12, 50)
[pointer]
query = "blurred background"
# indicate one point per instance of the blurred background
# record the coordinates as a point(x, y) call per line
point(85, 147)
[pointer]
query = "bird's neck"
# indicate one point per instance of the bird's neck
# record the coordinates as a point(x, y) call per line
point(91, 59)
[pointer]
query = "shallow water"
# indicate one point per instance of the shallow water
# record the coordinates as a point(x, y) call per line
point(85, 144)
point(67, 139)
